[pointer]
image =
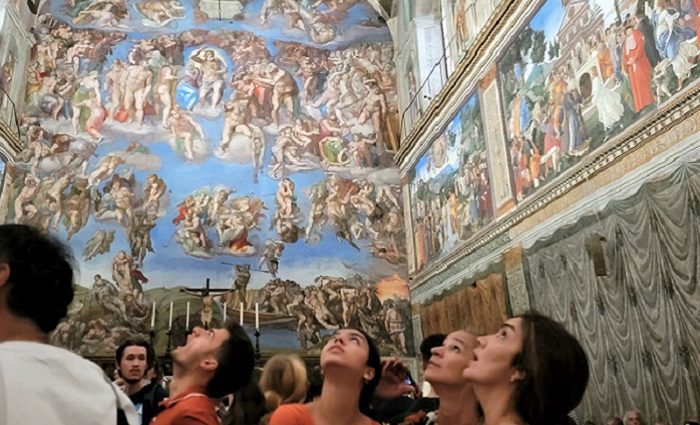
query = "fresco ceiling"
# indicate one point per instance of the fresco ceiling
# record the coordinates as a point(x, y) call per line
point(169, 141)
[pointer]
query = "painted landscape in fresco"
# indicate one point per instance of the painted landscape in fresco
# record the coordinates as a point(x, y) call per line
point(173, 141)
point(581, 71)
point(451, 191)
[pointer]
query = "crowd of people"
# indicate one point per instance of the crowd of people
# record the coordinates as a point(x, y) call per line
point(514, 376)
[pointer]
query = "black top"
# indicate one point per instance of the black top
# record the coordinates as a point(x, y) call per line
point(146, 401)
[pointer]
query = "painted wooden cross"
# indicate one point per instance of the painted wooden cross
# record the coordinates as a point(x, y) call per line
point(206, 294)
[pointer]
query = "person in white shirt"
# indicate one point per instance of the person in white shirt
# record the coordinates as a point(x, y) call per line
point(39, 383)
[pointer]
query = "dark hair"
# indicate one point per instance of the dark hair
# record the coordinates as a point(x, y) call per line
point(315, 378)
point(616, 420)
point(150, 354)
point(375, 362)
point(248, 403)
point(430, 342)
point(41, 275)
point(555, 368)
point(236, 360)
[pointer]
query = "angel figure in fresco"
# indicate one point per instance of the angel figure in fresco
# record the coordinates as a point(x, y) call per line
point(76, 207)
point(194, 229)
point(285, 90)
point(86, 106)
point(106, 168)
point(152, 193)
point(185, 132)
point(316, 27)
point(238, 122)
point(164, 92)
point(290, 154)
point(288, 215)
point(374, 110)
point(100, 13)
point(394, 324)
point(55, 194)
point(160, 13)
point(271, 256)
point(25, 210)
point(99, 243)
point(317, 216)
point(113, 84)
point(140, 237)
point(136, 85)
point(107, 296)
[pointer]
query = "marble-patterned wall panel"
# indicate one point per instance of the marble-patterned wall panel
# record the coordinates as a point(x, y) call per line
point(168, 146)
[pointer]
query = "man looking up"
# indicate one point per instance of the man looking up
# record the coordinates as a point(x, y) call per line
point(134, 358)
point(213, 363)
point(39, 383)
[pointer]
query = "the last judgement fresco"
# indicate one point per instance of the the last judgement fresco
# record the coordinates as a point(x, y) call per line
point(245, 144)
point(582, 71)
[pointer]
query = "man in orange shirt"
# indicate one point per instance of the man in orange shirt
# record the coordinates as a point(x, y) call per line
point(213, 363)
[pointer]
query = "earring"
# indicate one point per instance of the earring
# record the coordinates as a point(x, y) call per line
point(512, 379)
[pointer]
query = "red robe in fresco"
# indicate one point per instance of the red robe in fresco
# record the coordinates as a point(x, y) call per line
point(638, 69)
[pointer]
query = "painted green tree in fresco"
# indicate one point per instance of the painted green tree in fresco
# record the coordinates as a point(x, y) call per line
point(528, 48)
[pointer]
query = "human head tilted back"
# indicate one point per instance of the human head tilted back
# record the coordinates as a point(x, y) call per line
point(448, 361)
point(36, 276)
point(354, 352)
point(222, 359)
point(538, 362)
point(236, 359)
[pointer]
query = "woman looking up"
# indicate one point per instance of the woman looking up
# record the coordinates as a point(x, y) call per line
point(458, 405)
point(532, 371)
point(351, 369)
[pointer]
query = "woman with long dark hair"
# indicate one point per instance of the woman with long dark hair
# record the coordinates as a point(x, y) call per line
point(351, 369)
point(532, 371)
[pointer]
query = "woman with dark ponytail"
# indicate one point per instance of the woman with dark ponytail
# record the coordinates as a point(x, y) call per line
point(351, 369)
point(532, 371)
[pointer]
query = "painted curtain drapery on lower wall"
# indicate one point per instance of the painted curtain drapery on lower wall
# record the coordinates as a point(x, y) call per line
point(639, 324)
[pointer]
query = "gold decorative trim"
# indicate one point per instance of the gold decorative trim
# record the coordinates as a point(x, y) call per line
point(10, 139)
point(647, 129)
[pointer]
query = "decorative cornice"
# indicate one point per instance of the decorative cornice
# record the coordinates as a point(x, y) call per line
point(9, 139)
point(648, 128)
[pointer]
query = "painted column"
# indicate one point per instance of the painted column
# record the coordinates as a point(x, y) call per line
point(515, 281)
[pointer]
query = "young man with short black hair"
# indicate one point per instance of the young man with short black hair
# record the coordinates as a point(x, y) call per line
point(212, 364)
point(133, 359)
